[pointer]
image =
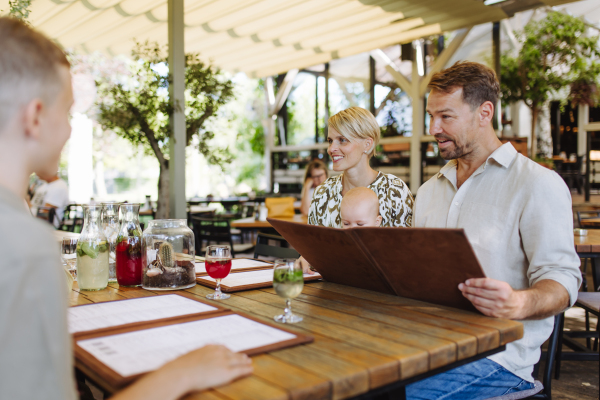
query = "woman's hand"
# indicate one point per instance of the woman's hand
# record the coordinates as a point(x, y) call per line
point(207, 367)
point(305, 266)
point(309, 183)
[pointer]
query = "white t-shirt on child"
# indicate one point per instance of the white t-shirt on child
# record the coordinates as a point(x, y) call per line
point(55, 193)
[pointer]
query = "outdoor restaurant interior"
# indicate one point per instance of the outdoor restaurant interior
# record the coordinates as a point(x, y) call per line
point(199, 125)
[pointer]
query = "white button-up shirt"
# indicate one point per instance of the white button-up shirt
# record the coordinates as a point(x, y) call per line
point(518, 217)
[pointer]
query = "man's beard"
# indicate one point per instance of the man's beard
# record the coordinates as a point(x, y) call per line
point(451, 153)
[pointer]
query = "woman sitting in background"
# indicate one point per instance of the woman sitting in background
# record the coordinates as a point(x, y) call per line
point(316, 174)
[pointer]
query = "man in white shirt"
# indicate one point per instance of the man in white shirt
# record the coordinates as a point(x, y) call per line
point(53, 193)
point(517, 216)
point(35, 350)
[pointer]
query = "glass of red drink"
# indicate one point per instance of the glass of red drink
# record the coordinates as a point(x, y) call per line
point(218, 266)
point(128, 251)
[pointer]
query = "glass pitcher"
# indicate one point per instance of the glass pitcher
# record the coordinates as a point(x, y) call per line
point(92, 251)
point(129, 258)
point(110, 225)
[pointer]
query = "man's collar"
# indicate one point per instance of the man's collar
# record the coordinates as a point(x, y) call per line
point(12, 200)
point(503, 155)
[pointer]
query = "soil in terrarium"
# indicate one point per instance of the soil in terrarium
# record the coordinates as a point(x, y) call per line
point(166, 272)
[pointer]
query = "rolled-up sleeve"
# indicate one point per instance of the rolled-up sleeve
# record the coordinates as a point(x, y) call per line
point(546, 228)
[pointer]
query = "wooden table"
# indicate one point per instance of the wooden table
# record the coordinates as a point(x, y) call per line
point(62, 234)
point(590, 223)
point(364, 341)
point(252, 223)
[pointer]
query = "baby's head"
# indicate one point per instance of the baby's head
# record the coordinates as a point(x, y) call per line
point(360, 207)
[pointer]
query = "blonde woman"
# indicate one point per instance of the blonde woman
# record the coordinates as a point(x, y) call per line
point(316, 174)
point(353, 136)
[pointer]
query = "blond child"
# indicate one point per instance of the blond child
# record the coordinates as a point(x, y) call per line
point(360, 207)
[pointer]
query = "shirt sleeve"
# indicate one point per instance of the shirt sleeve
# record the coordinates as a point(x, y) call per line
point(546, 228)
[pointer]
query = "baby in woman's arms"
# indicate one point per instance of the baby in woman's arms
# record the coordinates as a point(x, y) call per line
point(360, 207)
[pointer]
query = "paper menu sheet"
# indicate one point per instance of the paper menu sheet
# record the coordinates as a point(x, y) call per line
point(240, 263)
point(147, 350)
point(250, 278)
point(104, 315)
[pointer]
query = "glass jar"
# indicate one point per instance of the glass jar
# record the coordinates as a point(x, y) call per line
point(169, 249)
point(110, 225)
point(92, 251)
point(128, 251)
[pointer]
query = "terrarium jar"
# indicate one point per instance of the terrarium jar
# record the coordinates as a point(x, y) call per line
point(92, 251)
point(169, 250)
point(129, 254)
point(110, 225)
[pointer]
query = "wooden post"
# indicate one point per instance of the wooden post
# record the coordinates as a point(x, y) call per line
point(418, 123)
point(177, 144)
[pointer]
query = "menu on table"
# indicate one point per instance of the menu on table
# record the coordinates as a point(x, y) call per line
point(103, 315)
point(143, 351)
point(237, 264)
point(247, 280)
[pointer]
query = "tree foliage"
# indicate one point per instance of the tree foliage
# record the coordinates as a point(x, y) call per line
point(555, 52)
point(138, 109)
point(19, 9)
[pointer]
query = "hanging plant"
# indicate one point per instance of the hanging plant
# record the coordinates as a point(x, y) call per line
point(19, 9)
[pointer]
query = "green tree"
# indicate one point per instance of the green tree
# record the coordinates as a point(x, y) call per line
point(555, 52)
point(138, 109)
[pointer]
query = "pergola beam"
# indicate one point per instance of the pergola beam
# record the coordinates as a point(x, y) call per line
point(400, 79)
point(443, 58)
point(284, 91)
point(177, 143)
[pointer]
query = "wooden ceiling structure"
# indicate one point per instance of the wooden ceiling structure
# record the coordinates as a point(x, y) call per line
point(263, 37)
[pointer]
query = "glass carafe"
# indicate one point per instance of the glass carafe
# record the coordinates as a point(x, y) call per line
point(92, 251)
point(110, 224)
point(129, 255)
point(169, 255)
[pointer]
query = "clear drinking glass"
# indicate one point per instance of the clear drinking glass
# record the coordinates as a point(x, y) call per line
point(68, 253)
point(288, 282)
point(218, 266)
point(92, 252)
point(110, 224)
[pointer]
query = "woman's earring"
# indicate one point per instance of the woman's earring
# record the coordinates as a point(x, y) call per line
point(365, 152)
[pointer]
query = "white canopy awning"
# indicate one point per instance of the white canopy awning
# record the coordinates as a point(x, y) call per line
point(263, 37)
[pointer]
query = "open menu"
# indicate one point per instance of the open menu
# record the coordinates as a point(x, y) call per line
point(90, 317)
point(114, 357)
point(237, 264)
point(238, 281)
point(418, 263)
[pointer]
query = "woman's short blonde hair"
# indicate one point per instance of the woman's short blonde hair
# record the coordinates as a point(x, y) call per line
point(356, 123)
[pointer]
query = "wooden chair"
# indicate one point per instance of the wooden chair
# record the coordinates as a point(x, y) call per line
point(72, 218)
point(263, 248)
point(541, 390)
point(590, 302)
point(215, 230)
point(47, 214)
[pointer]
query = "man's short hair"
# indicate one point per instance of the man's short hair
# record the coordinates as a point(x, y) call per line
point(478, 82)
point(29, 67)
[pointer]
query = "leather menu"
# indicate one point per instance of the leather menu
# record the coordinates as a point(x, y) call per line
point(424, 264)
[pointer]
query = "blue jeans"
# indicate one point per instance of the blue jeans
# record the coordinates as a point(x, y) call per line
point(478, 380)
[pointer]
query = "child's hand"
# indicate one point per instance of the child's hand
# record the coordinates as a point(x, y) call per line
point(306, 269)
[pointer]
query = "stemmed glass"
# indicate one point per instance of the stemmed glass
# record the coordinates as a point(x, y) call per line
point(218, 266)
point(288, 282)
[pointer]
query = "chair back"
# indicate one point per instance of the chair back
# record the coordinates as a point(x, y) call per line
point(72, 218)
point(550, 357)
point(263, 248)
point(46, 213)
point(211, 230)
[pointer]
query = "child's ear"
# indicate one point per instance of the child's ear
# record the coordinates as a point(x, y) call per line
point(379, 219)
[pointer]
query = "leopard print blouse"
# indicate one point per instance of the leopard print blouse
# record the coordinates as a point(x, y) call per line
point(395, 202)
